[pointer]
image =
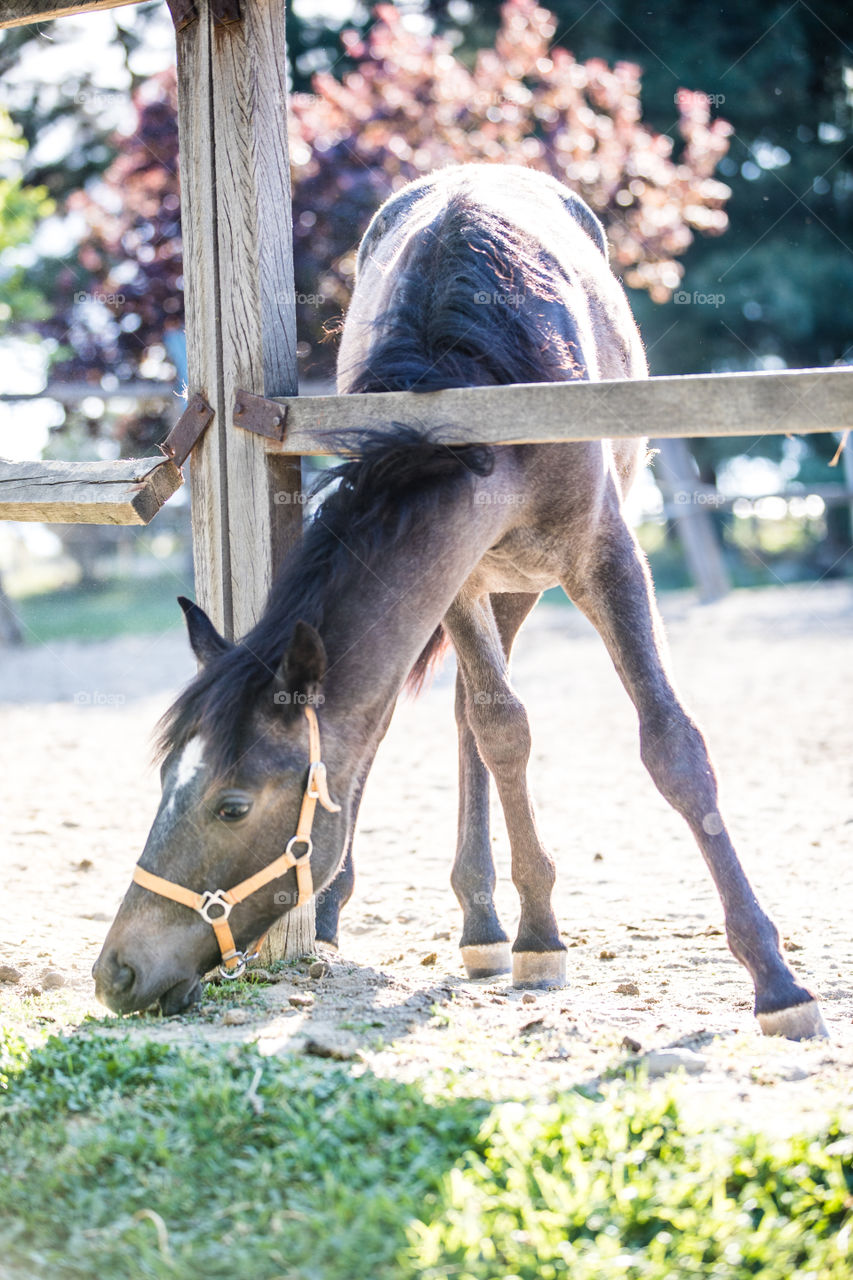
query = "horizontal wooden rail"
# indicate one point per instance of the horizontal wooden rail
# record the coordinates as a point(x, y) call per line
point(127, 491)
point(793, 402)
point(20, 13)
point(74, 392)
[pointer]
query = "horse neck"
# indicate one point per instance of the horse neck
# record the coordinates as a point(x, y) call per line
point(380, 622)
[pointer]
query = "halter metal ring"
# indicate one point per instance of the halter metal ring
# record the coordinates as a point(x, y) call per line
point(309, 847)
point(243, 959)
point(214, 898)
point(239, 968)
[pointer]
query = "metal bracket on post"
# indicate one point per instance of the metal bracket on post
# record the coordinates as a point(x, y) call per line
point(225, 12)
point(195, 419)
point(183, 12)
point(256, 413)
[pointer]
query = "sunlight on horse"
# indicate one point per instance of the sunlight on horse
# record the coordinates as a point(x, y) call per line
point(478, 275)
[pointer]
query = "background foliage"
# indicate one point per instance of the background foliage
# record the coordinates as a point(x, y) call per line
point(713, 143)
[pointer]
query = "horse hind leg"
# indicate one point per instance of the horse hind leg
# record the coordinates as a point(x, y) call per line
point(484, 946)
point(615, 593)
point(498, 725)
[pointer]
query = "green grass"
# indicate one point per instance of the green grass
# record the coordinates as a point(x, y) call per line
point(137, 1159)
point(121, 606)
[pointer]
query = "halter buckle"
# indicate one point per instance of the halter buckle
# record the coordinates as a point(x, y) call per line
point(317, 786)
point(311, 789)
point(214, 898)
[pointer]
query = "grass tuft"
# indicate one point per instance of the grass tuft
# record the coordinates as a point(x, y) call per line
point(127, 1158)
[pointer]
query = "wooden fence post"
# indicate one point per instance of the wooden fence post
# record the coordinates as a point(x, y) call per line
point(680, 483)
point(241, 314)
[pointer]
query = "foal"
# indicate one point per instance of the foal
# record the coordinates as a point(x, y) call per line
point(476, 275)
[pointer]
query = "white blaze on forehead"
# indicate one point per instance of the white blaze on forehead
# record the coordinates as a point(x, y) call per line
point(190, 761)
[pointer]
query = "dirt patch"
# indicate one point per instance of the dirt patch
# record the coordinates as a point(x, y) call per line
point(767, 676)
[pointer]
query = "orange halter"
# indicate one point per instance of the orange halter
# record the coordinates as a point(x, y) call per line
point(222, 900)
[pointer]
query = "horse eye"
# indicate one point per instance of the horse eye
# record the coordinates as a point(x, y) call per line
point(233, 809)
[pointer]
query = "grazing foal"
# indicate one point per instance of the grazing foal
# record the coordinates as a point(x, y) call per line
point(476, 275)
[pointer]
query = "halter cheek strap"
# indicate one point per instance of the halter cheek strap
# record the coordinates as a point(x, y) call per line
point(214, 905)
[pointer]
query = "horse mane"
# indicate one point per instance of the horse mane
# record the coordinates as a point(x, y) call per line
point(386, 490)
point(461, 312)
point(461, 316)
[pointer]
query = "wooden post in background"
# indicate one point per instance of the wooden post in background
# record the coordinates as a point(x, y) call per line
point(680, 483)
point(241, 316)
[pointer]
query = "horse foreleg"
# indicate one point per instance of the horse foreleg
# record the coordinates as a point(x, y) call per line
point(337, 894)
point(615, 592)
point(498, 722)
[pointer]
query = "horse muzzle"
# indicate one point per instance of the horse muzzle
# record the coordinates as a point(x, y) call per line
point(125, 985)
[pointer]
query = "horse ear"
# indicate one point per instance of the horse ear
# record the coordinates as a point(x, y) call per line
point(303, 665)
point(205, 640)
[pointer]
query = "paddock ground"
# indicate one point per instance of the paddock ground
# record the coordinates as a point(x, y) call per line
point(767, 674)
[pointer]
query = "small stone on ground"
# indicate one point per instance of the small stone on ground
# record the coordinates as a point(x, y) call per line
point(329, 1042)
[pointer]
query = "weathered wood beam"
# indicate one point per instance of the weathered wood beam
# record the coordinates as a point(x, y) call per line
point(241, 315)
point(20, 13)
point(257, 290)
point(129, 491)
point(207, 468)
point(792, 402)
point(74, 392)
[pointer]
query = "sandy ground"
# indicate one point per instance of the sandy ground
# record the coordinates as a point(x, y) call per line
point(768, 676)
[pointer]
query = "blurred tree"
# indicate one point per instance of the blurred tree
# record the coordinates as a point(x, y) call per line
point(411, 106)
point(493, 83)
point(119, 312)
point(22, 207)
point(777, 291)
point(69, 106)
point(408, 107)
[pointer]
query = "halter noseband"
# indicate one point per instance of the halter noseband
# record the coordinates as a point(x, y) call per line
point(222, 900)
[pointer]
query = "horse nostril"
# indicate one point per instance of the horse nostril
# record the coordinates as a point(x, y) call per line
point(124, 978)
point(121, 976)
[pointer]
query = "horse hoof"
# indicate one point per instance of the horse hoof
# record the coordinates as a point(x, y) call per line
point(539, 969)
point(486, 959)
point(800, 1022)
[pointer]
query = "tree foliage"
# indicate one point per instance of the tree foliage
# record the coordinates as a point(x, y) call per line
point(390, 100)
point(22, 207)
point(410, 106)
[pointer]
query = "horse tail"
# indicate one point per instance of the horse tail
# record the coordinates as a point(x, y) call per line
point(430, 659)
